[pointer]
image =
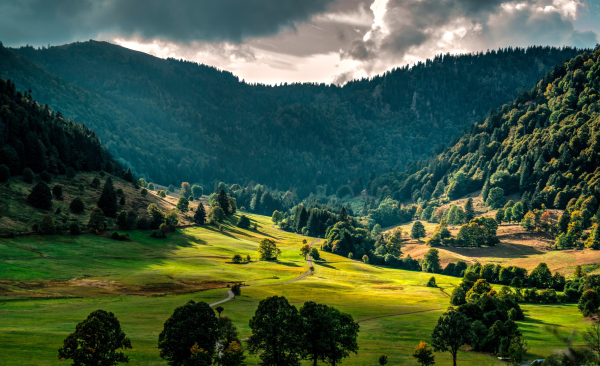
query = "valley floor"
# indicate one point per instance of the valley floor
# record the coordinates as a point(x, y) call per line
point(49, 284)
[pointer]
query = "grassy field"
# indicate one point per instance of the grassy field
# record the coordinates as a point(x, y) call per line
point(48, 284)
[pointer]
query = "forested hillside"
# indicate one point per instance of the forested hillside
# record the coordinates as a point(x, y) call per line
point(544, 146)
point(176, 121)
point(37, 139)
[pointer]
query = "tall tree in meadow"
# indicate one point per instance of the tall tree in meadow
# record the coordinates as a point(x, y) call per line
point(453, 330)
point(108, 199)
point(190, 335)
point(417, 231)
point(277, 332)
point(469, 210)
point(96, 341)
point(223, 201)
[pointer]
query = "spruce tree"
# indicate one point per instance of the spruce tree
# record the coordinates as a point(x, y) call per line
point(200, 215)
point(40, 196)
point(563, 222)
point(108, 199)
point(343, 215)
point(486, 188)
point(469, 210)
point(128, 176)
point(525, 201)
point(223, 202)
point(524, 178)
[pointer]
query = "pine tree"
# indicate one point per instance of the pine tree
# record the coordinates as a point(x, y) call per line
point(563, 222)
point(200, 215)
point(223, 202)
point(486, 188)
point(343, 215)
point(365, 210)
point(108, 199)
point(469, 210)
point(128, 176)
point(525, 201)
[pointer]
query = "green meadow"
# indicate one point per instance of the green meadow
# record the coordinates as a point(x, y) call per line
point(49, 284)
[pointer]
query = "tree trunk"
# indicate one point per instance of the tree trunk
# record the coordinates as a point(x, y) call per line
point(454, 359)
point(315, 361)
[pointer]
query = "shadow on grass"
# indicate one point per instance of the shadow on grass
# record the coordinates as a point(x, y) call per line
point(503, 250)
point(326, 265)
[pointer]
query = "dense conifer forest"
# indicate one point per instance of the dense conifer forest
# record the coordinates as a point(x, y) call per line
point(174, 121)
point(35, 139)
point(545, 146)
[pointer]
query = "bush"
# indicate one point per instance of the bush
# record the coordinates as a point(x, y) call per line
point(431, 282)
point(243, 222)
point(40, 196)
point(4, 173)
point(76, 205)
point(120, 192)
point(119, 237)
point(236, 289)
point(314, 254)
point(70, 173)
point(47, 225)
point(143, 223)
point(162, 193)
point(95, 183)
point(46, 177)
point(28, 175)
point(151, 186)
point(144, 192)
point(57, 191)
point(74, 228)
point(237, 259)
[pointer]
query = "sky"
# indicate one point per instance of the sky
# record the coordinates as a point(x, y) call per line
point(278, 41)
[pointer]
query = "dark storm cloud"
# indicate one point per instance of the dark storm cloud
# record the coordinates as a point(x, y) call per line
point(60, 21)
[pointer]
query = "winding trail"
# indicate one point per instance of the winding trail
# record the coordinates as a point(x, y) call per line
point(308, 261)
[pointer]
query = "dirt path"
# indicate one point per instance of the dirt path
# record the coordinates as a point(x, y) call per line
point(308, 261)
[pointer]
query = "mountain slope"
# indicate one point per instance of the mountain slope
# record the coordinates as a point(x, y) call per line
point(545, 145)
point(299, 135)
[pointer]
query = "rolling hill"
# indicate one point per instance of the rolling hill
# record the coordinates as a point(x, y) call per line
point(173, 121)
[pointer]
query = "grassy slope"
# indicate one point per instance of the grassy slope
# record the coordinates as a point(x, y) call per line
point(394, 308)
point(517, 247)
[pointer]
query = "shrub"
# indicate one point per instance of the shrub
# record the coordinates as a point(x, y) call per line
point(143, 223)
point(236, 289)
point(151, 186)
point(70, 173)
point(74, 228)
point(162, 193)
point(58, 211)
point(431, 282)
point(365, 258)
point(119, 237)
point(243, 222)
point(95, 182)
point(237, 259)
point(46, 177)
point(4, 173)
point(81, 187)
point(120, 192)
point(144, 192)
point(314, 254)
point(57, 191)
point(40, 196)
point(28, 175)
point(122, 201)
point(350, 255)
point(248, 258)
point(47, 225)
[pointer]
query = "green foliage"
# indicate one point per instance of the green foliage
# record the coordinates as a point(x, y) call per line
point(197, 191)
point(4, 173)
point(144, 192)
point(216, 214)
point(40, 196)
point(344, 191)
point(314, 254)
point(45, 176)
point(417, 231)
point(451, 332)
point(496, 198)
point(186, 189)
point(200, 215)
point(74, 228)
point(431, 261)
point(108, 199)
point(57, 191)
point(424, 354)
point(96, 341)
point(28, 175)
point(47, 226)
point(97, 221)
point(183, 204)
point(268, 249)
point(192, 326)
point(276, 332)
point(237, 259)
point(157, 217)
point(243, 222)
point(431, 282)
